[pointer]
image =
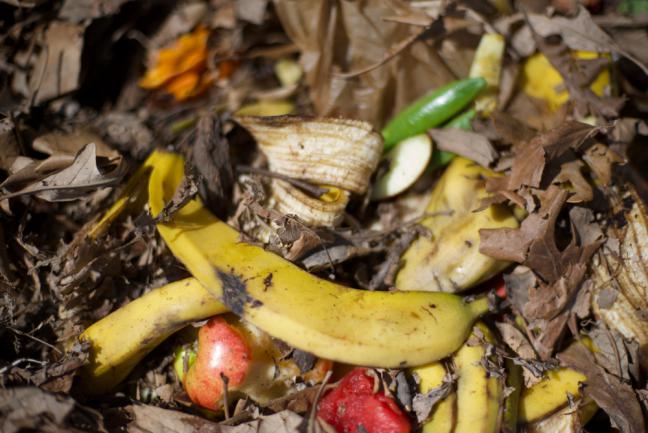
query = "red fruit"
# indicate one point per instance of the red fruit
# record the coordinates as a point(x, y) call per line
point(353, 407)
point(222, 350)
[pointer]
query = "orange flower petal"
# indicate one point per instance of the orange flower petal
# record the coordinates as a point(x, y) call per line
point(183, 86)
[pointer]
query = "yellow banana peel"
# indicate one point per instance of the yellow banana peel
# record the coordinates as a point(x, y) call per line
point(542, 81)
point(387, 329)
point(450, 260)
point(382, 329)
point(479, 396)
point(550, 394)
point(121, 339)
point(488, 64)
point(444, 415)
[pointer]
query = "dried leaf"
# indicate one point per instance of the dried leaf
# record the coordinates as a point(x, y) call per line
point(470, 145)
point(514, 244)
point(58, 66)
point(71, 182)
point(281, 422)
point(211, 157)
point(32, 409)
point(348, 36)
point(148, 419)
point(600, 158)
point(531, 157)
point(579, 33)
point(612, 395)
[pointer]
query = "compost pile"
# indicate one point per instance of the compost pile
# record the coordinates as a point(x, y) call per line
point(324, 216)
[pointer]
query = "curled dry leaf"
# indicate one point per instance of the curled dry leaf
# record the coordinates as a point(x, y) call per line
point(579, 33)
point(73, 181)
point(468, 144)
point(58, 67)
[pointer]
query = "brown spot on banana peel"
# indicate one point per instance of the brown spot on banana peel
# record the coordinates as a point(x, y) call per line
point(235, 293)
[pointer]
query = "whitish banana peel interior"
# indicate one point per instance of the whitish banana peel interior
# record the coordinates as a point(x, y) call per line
point(449, 260)
point(339, 153)
point(290, 200)
point(621, 277)
point(568, 420)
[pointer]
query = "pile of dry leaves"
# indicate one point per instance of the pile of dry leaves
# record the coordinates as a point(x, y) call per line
point(88, 88)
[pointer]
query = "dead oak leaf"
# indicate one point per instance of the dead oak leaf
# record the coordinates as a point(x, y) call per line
point(468, 144)
point(579, 33)
point(532, 156)
point(513, 244)
point(71, 182)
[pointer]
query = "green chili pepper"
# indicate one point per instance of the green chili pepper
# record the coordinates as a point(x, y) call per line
point(442, 158)
point(432, 110)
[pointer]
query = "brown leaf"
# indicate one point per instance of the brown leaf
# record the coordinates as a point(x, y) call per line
point(531, 157)
point(59, 64)
point(615, 397)
point(600, 158)
point(71, 182)
point(470, 145)
point(347, 36)
point(32, 409)
point(571, 175)
point(148, 419)
point(514, 244)
point(211, 156)
point(579, 33)
point(281, 422)
point(576, 77)
point(511, 130)
point(9, 149)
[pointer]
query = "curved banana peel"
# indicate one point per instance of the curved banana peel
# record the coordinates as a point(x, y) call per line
point(444, 415)
point(381, 329)
point(622, 275)
point(479, 396)
point(450, 261)
point(550, 394)
point(367, 328)
point(121, 339)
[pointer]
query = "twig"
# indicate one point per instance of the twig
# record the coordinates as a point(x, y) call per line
point(313, 410)
point(24, 334)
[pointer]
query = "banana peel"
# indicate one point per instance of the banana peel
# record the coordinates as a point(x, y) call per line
point(541, 80)
point(621, 277)
point(121, 339)
point(550, 394)
point(449, 260)
point(384, 329)
point(568, 420)
point(444, 415)
point(479, 395)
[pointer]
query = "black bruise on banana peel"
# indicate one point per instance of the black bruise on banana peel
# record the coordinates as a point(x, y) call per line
point(235, 294)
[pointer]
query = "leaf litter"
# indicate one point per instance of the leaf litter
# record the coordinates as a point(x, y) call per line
point(74, 124)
